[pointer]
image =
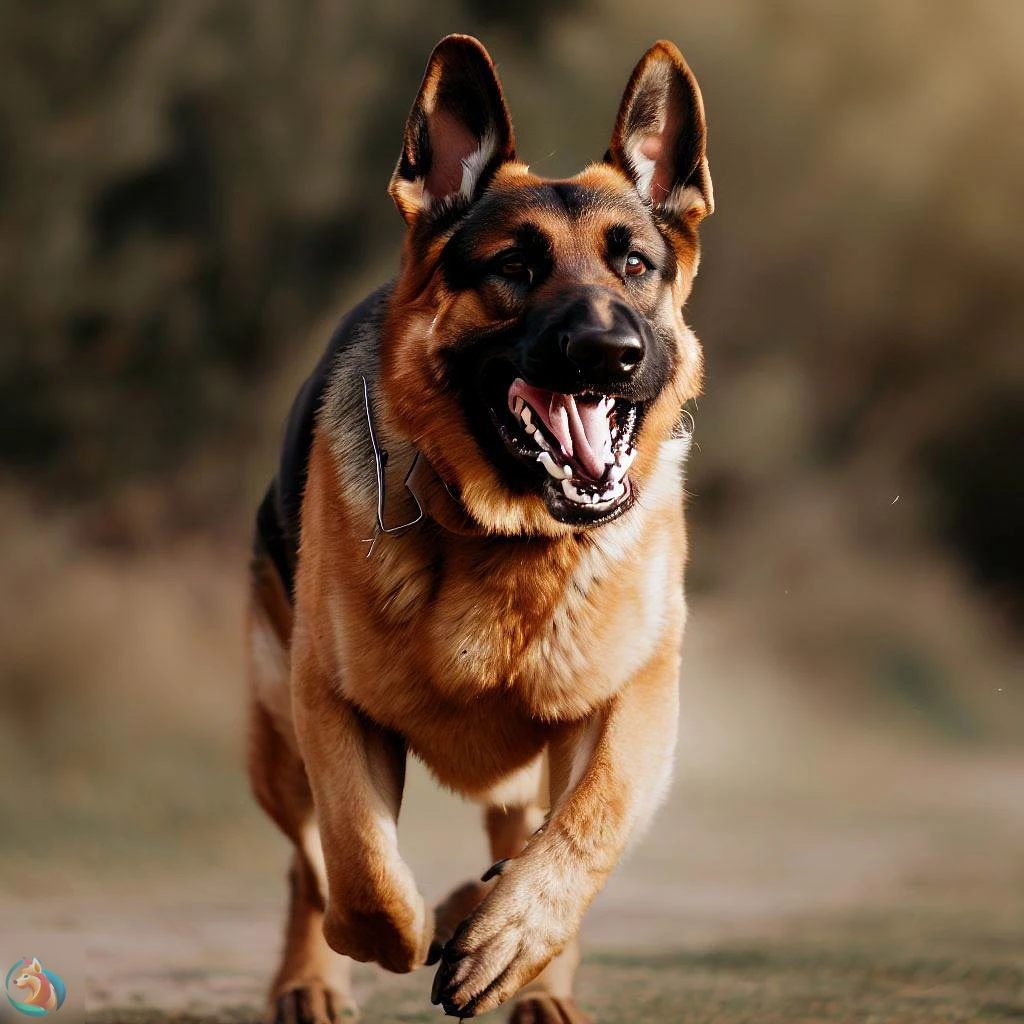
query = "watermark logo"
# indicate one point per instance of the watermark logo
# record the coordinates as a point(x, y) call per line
point(33, 989)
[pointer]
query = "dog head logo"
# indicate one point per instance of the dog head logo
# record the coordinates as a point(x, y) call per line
point(34, 990)
point(536, 347)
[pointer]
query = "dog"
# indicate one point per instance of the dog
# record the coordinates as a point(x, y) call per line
point(473, 548)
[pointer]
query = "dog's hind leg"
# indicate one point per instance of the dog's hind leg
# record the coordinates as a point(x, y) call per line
point(312, 984)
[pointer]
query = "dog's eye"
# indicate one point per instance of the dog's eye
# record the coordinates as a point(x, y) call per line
point(513, 266)
point(636, 266)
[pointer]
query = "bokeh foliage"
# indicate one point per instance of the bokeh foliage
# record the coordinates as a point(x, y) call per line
point(189, 189)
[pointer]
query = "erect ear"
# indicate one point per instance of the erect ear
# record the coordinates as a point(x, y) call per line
point(458, 131)
point(660, 136)
point(37, 966)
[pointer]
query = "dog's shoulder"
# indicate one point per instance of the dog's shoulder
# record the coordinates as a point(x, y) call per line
point(332, 390)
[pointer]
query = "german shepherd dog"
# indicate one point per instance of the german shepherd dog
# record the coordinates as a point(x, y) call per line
point(473, 548)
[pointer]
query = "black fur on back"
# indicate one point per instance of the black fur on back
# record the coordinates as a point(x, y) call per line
point(279, 516)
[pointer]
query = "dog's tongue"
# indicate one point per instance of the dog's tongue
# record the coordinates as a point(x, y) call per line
point(591, 435)
point(582, 428)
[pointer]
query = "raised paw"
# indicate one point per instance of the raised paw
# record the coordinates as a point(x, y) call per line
point(544, 1009)
point(399, 942)
point(312, 1003)
point(504, 945)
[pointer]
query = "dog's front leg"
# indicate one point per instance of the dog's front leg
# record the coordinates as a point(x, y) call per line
point(356, 770)
point(608, 775)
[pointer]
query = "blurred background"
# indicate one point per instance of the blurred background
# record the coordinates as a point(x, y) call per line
point(191, 192)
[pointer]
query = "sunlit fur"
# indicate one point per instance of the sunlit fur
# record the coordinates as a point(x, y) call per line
point(427, 319)
point(531, 665)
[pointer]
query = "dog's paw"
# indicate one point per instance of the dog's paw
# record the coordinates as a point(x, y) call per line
point(545, 1009)
point(313, 1002)
point(448, 915)
point(506, 943)
point(399, 943)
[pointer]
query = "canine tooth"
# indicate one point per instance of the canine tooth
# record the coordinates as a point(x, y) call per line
point(529, 427)
point(553, 468)
point(617, 472)
point(566, 472)
point(517, 408)
point(526, 413)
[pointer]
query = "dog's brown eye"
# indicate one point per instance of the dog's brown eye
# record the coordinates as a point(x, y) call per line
point(635, 265)
point(513, 265)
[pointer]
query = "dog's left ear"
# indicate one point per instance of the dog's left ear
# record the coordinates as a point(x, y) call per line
point(660, 136)
point(458, 132)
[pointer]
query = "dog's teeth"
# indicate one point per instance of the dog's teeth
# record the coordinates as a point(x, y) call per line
point(517, 407)
point(553, 468)
point(529, 428)
point(566, 473)
point(617, 472)
point(527, 414)
point(611, 496)
point(572, 494)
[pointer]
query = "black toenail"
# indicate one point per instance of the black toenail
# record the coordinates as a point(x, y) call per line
point(495, 869)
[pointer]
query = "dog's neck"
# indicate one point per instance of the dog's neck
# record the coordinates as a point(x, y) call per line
point(423, 486)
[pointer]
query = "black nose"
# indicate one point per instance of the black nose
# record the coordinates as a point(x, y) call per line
point(613, 352)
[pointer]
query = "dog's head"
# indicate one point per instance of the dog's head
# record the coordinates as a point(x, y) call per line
point(535, 349)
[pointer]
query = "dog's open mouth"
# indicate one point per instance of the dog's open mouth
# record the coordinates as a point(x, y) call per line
point(585, 443)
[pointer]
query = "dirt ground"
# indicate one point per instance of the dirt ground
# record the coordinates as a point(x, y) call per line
point(819, 858)
point(889, 889)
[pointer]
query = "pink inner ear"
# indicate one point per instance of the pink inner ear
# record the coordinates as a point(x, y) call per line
point(659, 148)
point(450, 143)
point(661, 180)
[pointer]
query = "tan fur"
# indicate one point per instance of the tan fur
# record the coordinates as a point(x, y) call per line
point(527, 655)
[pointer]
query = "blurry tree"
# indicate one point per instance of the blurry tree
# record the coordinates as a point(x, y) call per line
point(188, 186)
point(185, 185)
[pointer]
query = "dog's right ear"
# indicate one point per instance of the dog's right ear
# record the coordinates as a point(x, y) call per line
point(458, 132)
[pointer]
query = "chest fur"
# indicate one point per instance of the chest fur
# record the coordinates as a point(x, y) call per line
point(554, 627)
